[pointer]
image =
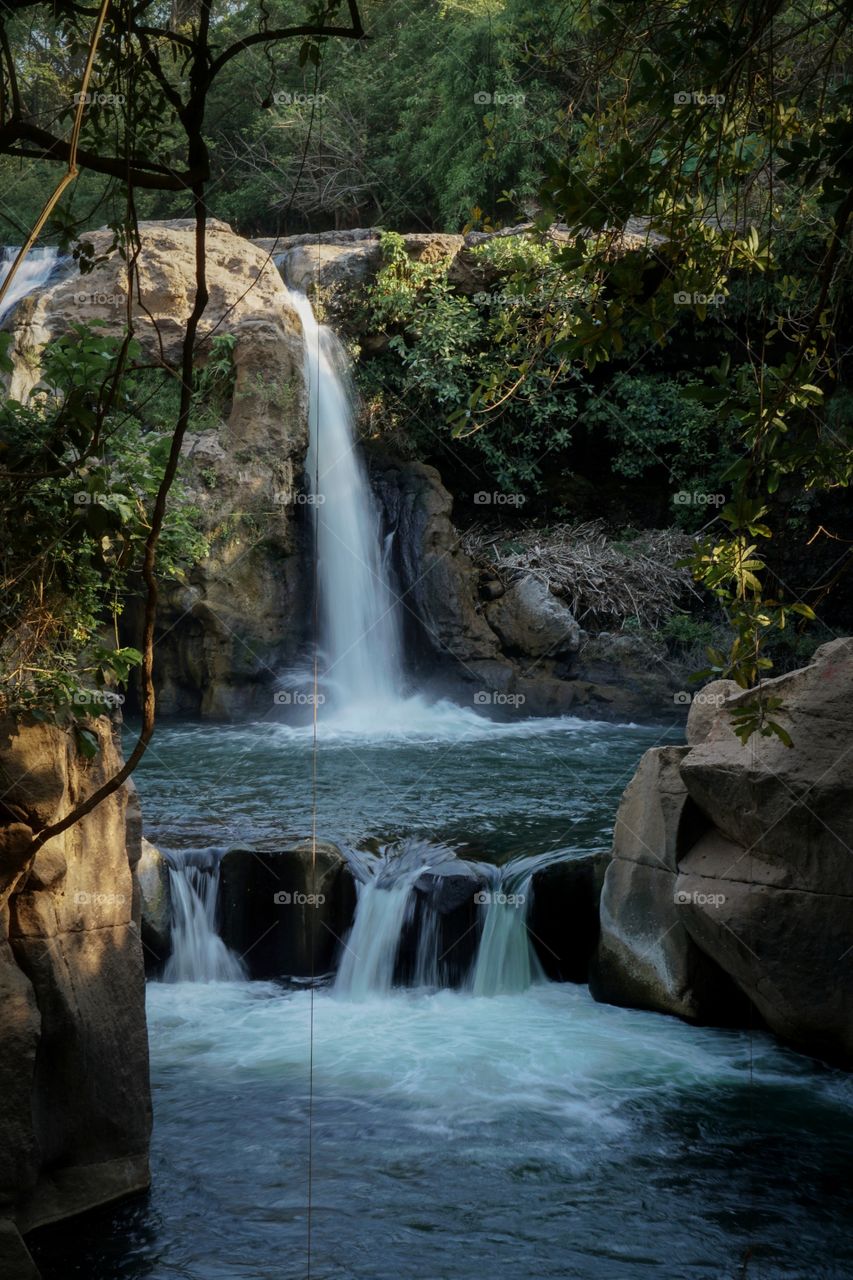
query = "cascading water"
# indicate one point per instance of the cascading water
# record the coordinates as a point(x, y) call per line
point(505, 962)
point(33, 272)
point(360, 634)
point(198, 952)
point(506, 958)
point(385, 906)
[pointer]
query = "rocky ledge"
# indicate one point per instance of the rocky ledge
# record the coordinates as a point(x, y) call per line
point(730, 893)
point(76, 1111)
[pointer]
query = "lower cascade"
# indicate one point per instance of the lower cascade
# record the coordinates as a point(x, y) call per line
point(198, 952)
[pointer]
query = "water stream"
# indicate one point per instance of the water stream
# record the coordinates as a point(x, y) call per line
point(509, 1128)
point(36, 269)
point(360, 633)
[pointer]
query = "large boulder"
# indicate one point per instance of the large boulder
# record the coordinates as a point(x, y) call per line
point(76, 1112)
point(792, 807)
point(286, 910)
point(645, 956)
point(532, 622)
point(155, 894)
point(791, 952)
point(768, 893)
point(732, 884)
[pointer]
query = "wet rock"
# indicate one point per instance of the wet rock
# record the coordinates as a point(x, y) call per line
point(156, 905)
point(438, 581)
point(446, 902)
point(283, 911)
point(563, 917)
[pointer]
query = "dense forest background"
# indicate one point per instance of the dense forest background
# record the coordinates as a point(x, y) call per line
point(675, 320)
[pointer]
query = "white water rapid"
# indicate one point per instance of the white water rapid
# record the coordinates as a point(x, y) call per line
point(198, 952)
point(505, 962)
point(33, 272)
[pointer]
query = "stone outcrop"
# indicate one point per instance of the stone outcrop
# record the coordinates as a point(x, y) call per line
point(445, 900)
point(335, 265)
point(239, 615)
point(76, 1112)
point(436, 579)
point(283, 911)
point(645, 958)
point(529, 620)
point(152, 874)
point(755, 843)
point(514, 651)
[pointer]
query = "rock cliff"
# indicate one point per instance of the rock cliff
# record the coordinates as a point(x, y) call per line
point(76, 1111)
point(733, 868)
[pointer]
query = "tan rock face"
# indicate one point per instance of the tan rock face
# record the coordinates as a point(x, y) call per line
point(239, 616)
point(645, 958)
point(757, 840)
point(74, 1053)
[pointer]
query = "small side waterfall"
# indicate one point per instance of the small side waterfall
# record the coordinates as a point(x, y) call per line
point(506, 958)
point(33, 272)
point(198, 952)
point(386, 903)
point(360, 634)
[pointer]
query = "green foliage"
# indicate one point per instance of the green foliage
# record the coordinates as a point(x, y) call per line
point(443, 345)
point(81, 464)
point(649, 420)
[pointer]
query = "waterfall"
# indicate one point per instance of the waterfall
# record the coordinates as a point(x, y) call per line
point(386, 903)
point(33, 272)
point(360, 634)
point(506, 960)
point(198, 952)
